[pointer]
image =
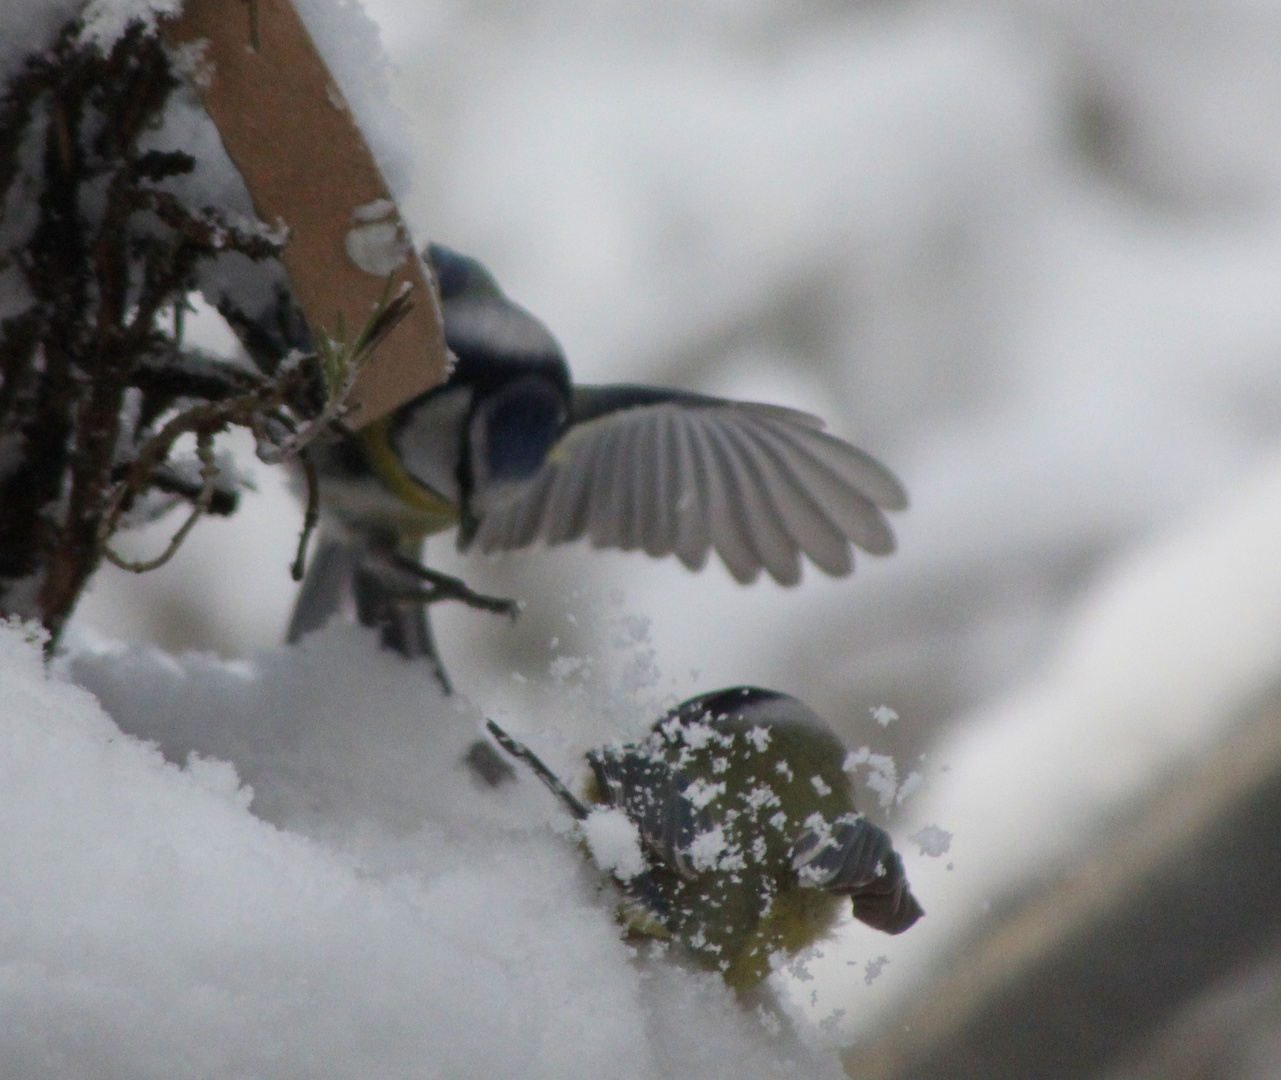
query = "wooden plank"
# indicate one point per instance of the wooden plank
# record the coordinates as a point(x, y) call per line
point(1177, 898)
point(289, 131)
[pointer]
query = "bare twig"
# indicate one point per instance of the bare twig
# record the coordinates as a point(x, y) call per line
point(341, 365)
point(211, 231)
point(245, 410)
point(86, 366)
point(312, 515)
point(93, 380)
point(209, 476)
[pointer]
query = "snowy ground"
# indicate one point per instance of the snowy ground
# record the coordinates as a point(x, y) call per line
point(343, 902)
point(1027, 252)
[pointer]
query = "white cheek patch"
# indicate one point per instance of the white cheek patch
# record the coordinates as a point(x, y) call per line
point(428, 443)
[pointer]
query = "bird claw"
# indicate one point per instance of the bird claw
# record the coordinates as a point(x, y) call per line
point(447, 587)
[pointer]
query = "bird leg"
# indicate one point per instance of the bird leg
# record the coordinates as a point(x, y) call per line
point(388, 582)
point(446, 587)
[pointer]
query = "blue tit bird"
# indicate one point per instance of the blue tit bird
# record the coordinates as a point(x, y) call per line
point(746, 822)
point(512, 452)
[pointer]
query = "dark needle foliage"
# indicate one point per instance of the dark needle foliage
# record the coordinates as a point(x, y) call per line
point(96, 386)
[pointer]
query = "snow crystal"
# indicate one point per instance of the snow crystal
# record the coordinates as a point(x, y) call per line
point(695, 736)
point(710, 850)
point(932, 841)
point(700, 792)
point(614, 842)
point(884, 715)
point(378, 249)
point(882, 775)
point(374, 211)
point(817, 823)
point(106, 20)
point(912, 783)
point(761, 795)
point(191, 62)
point(872, 970)
point(798, 965)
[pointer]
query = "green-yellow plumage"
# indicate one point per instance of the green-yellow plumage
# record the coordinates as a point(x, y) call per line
point(747, 821)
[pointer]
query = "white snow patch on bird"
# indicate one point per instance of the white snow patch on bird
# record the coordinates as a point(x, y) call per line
point(614, 842)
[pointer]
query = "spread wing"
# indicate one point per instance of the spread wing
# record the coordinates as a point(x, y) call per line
point(671, 473)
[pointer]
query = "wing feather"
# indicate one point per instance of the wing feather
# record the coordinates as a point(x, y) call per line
point(814, 532)
point(570, 506)
point(856, 468)
point(759, 484)
point(757, 511)
point(491, 533)
point(629, 481)
point(690, 540)
point(514, 522)
point(530, 512)
point(729, 533)
point(653, 487)
point(842, 501)
point(603, 527)
point(655, 472)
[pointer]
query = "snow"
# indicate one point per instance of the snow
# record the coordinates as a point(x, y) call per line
point(1027, 253)
point(700, 792)
point(883, 715)
point(932, 840)
point(882, 774)
point(106, 20)
point(1155, 665)
point(377, 247)
point(343, 901)
point(30, 25)
point(710, 850)
point(614, 842)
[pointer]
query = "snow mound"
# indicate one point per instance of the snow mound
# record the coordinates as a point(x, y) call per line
point(362, 908)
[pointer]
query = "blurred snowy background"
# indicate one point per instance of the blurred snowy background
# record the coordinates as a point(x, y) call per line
point(1029, 254)
point(1026, 253)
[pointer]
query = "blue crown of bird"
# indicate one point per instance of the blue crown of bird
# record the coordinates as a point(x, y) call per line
point(513, 453)
point(748, 836)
